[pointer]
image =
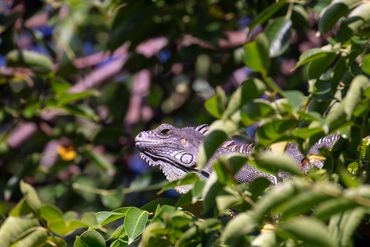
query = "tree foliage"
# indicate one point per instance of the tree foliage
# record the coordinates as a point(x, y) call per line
point(80, 78)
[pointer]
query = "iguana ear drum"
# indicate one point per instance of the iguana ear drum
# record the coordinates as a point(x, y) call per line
point(202, 129)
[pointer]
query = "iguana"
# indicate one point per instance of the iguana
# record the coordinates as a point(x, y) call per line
point(175, 151)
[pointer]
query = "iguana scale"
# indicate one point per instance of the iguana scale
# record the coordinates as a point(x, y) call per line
point(175, 152)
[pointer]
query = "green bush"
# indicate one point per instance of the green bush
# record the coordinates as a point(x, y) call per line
point(77, 199)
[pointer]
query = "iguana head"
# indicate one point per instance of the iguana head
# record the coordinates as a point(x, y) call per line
point(174, 150)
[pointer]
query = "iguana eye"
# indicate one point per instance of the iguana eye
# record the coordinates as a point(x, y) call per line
point(165, 132)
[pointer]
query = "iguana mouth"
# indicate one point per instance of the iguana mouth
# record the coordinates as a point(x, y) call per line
point(154, 160)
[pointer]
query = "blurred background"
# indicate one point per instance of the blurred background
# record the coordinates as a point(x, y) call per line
point(79, 79)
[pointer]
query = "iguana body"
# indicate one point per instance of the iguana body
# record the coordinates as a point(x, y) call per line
point(175, 151)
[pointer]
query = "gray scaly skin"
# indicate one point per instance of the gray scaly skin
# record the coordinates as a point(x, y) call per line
point(175, 151)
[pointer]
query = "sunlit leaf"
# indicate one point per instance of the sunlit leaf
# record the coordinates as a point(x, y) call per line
point(31, 196)
point(313, 54)
point(218, 133)
point(36, 238)
point(358, 85)
point(13, 229)
point(248, 91)
point(309, 230)
point(89, 239)
point(366, 64)
point(278, 33)
point(331, 14)
point(239, 226)
point(135, 223)
point(257, 54)
point(33, 60)
point(274, 163)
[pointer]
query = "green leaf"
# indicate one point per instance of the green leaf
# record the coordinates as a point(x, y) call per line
point(89, 238)
point(188, 179)
point(267, 238)
point(30, 195)
point(248, 91)
point(267, 13)
point(256, 110)
point(311, 231)
point(359, 18)
point(217, 103)
point(15, 228)
point(333, 206)
point(257, 54)
point(278, 33)
point(238, 227)
point(114, 199)
point(37, 238)
point(343, 225)
point(155, 235)
point(296, 99)
point(37, 62)
point(60, 86)
point(303, 203)
point(51, 214)
point(354, 94)
point(55, 220)
point(335, 118)
point(106, 217)
point(365, 66)
point(135, 223)
point(212, 189)
point(331, 14)
point(275, 130)
point(318, 66)
point(154, 204)
point(68, 97)
point(274, 163)
point(218, 133)
point(22, 208)
point(194, 234)
point(119, 243)
point(313, 54)
point(276, 198)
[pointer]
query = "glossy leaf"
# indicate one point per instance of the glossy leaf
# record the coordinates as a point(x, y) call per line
point(248, 91)
point(106, 217)
point(256, 110)
point(320, 65)
point(218, 133)
point(89, 239)
point(331, 14)
point(278, 33)
point(217, 103)
point(359, 18)
point(135, 223)
point(257, 54)
point(313, 54)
